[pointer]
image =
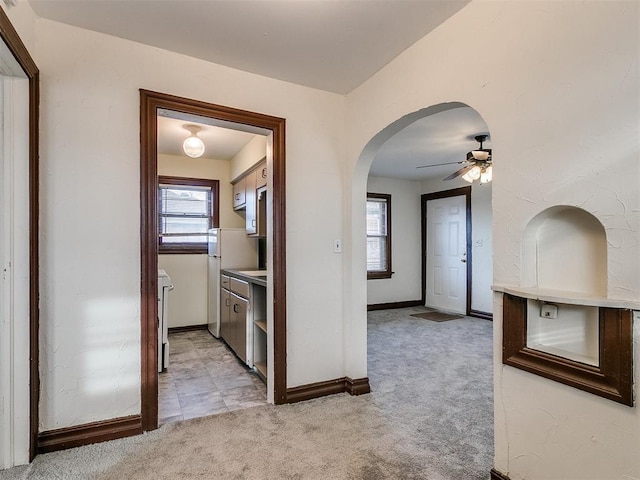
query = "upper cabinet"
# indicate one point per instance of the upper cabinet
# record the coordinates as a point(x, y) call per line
point(261, 175)
point(239, 194)
point(250, 207)
point(245, 197)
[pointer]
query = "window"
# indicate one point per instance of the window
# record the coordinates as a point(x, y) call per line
point(378, 235)
point(187, 209)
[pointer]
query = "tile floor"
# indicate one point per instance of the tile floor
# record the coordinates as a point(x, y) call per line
point(204, 378)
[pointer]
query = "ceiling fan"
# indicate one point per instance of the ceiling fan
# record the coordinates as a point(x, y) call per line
point(477, 166)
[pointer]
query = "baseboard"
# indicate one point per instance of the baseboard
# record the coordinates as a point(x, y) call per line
point(187, 328)
point(392, 305)
point(357, 386)
point(480, 314)
point(88, 433)
point(496, 475)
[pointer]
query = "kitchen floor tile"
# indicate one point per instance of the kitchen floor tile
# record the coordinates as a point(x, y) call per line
point(204, 378)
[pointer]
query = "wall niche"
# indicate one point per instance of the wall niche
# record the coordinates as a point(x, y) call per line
point(560, 324)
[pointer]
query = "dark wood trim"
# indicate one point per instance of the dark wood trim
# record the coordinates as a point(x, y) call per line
point(187, 328)
point(496, 475)
point(392, 305)
point(13, 41)
point(388, 272)
point(480, 314)
point(315, 390)
point(302, 393)
point(612, 379)
point(88, 433)
point(357, 386)
point(150, 103)
point(466, 192)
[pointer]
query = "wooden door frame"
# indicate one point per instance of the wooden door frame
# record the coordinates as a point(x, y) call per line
point(456, 192)
point(150, 103)
point(13, 41)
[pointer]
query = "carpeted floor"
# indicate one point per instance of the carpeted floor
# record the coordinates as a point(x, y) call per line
point(429, 416)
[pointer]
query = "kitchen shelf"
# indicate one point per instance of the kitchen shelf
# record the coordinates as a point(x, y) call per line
point(261, 324)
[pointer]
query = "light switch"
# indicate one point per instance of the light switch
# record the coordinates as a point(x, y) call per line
point(337, 246)
point(548, 310)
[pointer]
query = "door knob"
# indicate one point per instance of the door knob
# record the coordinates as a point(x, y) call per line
point(463, 260)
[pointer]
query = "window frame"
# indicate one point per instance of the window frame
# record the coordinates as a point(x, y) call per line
point(378, 274)
point(214, 218)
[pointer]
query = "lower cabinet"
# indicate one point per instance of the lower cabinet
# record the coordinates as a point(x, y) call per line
point(238, 320)
point(243, 321)
point(225, 317)
point(234, 315)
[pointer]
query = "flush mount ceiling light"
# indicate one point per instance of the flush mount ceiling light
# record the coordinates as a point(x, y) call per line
point(477, 166)
point(193, 147)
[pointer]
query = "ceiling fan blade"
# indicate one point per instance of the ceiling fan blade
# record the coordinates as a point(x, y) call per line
point(439, 164)
point(462, 171)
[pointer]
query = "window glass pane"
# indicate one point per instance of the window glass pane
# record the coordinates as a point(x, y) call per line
point(185, 201)
point(376, 217)
point(172, 225)
point(376, 254)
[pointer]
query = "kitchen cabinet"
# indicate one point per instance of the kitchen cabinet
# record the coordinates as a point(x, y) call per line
point(238, 322)
point(243, 304)
point(250, 203)
point(225, 317)
point(246, 193)
point(235, 316)
point(261, 175)
point(239, 194)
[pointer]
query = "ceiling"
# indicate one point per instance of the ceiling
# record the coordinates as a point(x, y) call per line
point(334, 45)
point(331, 45)
point(439, 138)
point(222, 140)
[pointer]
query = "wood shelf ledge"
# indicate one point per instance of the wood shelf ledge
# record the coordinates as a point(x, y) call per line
point(571, 298)
point(261, 324)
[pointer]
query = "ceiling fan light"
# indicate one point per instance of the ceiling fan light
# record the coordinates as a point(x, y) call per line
point(473, 174)
point(487, 175)
point(193, 147)
point(480, 155)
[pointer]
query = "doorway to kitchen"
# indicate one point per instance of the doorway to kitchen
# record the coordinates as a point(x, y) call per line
point(275, 292)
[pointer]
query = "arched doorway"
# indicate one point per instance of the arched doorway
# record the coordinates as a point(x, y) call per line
point(417, 364)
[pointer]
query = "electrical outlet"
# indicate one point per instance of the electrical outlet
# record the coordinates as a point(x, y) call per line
point(337, 246)
point(548, 310)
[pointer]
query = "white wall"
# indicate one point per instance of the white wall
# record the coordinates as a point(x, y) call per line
point(90, 224)
point(188, 299)
point(251, 154)
point(405, 284)
point(557, 84)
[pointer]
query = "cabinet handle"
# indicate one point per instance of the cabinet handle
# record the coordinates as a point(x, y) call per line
point(253, 223)
point(264, 172)
point(226, 302)
point(235, 308)
point(237, 196)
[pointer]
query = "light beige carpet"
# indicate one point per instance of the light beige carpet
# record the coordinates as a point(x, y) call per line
point(429, 416)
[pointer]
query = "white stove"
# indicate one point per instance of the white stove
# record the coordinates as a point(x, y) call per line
point(164, 286)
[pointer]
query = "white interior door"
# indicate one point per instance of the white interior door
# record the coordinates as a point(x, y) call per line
point(446, 254)
point(14, 260)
